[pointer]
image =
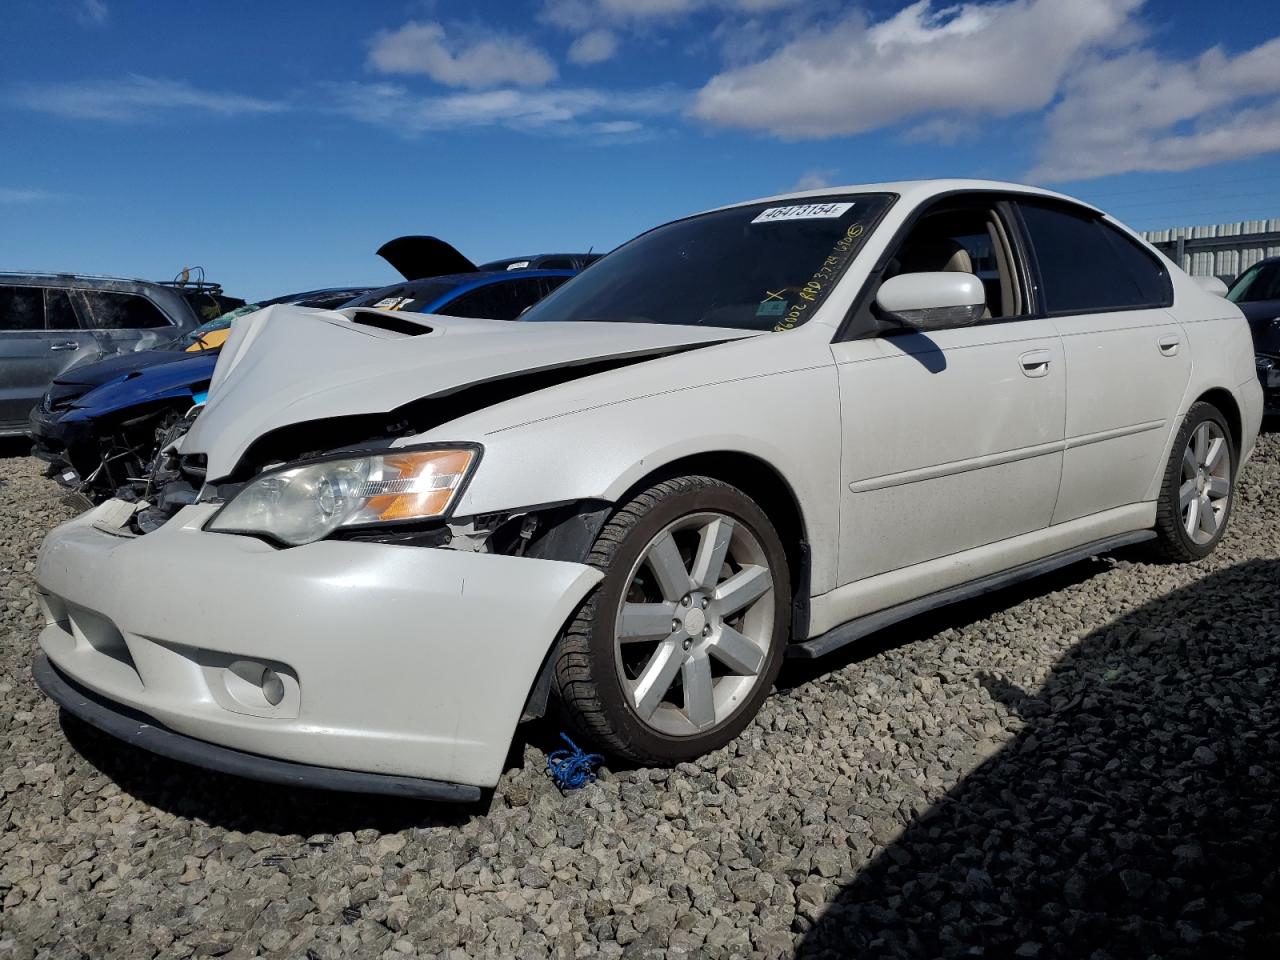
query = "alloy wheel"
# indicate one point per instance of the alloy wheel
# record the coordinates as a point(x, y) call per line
point(1205, 492)
point(694, 628)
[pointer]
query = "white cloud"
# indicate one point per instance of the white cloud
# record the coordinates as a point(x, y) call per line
point(134, 97)
point(814, 180)
point(579, 111)
point(21, 195)
point(92, 13)
point(580, 16)
point(477, 60)
point(970, 59)
point(594, 46)
point(1138, 111)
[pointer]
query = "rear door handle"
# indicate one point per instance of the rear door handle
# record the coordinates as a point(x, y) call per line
point(1169, 345)
point(1035, 363)
point(65, 345)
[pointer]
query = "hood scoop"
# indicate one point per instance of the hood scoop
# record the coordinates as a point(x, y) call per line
point(385, 320)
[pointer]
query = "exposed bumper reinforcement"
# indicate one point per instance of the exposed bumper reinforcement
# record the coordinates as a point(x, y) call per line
point(139, 730)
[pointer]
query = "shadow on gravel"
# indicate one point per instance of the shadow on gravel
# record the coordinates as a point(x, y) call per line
point(1137, 813)
point(14, 447)
point(236, 804)
point(797, 673)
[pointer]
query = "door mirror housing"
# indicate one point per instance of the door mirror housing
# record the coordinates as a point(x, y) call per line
point(1212, 285)
point(932, 301)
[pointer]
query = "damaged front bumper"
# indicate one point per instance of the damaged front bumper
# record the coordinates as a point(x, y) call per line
point(386, 660)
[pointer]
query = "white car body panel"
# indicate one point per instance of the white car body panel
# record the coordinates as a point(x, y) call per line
point(984, 473)
point(407, 691)
point(917, 463)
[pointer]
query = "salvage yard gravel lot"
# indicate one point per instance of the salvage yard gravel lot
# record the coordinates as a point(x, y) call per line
point(1087, 765)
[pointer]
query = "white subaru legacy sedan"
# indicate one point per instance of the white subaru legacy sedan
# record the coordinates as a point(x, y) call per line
point(758, 432)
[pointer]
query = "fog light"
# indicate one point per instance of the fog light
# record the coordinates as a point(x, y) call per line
point(272, 686)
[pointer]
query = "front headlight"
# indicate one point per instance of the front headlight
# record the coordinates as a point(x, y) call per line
point(301, 504)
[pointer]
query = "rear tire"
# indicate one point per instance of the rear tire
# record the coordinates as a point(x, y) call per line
point(1198, 491)
point(673, 653)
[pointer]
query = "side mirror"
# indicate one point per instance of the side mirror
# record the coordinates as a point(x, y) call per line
point(1211, 285)
point(932, 301)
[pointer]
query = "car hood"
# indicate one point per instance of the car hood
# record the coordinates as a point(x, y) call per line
point(289, 365)
point(419, 257)
point(177, 378)
point(109, 368)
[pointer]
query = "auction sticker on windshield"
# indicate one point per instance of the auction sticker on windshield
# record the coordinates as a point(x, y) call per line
point(804, 211)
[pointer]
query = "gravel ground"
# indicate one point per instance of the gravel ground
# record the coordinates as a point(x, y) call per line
point(1085, 766)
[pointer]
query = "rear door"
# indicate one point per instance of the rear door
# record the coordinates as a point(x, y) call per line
point(122, 322)
point(1127, 360)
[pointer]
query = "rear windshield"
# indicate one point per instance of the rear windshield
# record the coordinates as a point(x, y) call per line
point(767, 266)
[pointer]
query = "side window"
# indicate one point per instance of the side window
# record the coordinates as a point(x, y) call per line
point(21, 308)
point(491, 302)
point(121, 311)
point(524, 294)
point(552, 283)
point(965, 239)
point(1086, 267)
point(59, 314)
point(1148, 273)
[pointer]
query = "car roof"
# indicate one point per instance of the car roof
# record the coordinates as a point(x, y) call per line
point(480, 278)
point(39, 278)
point(502, 264)
point(461, 282)
point(913, 191)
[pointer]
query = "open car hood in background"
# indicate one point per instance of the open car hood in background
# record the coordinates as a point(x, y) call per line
point(290, 365)
point(419, 257)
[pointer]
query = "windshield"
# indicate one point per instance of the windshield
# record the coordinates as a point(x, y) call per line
point(218, 323)
point(1259, 282)
point(758, 267)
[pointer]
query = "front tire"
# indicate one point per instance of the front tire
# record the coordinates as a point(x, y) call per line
point(672, 655)
point(1199, 487)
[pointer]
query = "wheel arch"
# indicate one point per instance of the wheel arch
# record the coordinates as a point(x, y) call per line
point(775, 495)
point(1226, 403)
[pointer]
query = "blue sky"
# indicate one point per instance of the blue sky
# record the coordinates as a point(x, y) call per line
point(278, 144)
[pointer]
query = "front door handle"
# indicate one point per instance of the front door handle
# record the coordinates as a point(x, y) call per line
point(65, 345)
point(1169, 345)
point(1035, 363)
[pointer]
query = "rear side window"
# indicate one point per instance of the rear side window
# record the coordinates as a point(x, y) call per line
point(21, 308)
point(121, 311)
point(1087, 266)
point(58, 311)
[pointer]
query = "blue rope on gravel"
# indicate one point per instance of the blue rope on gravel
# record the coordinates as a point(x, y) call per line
point(572, 768)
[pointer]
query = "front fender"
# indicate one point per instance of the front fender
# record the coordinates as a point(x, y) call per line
point(789, 420)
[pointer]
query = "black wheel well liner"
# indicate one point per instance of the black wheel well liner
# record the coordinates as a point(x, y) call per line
point(1226, 403)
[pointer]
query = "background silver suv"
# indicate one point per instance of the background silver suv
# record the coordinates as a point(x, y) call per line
point(49, 322)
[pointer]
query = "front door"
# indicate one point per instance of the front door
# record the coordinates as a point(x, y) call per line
point(953, 439)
